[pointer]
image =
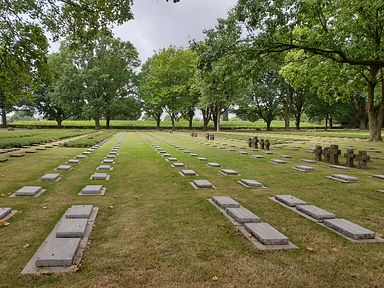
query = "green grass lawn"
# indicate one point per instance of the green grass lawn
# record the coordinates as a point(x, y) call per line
point(154, 230)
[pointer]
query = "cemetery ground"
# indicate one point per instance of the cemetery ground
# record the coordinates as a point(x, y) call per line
point(154, 229)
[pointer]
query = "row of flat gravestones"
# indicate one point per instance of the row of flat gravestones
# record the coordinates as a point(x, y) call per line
point(37, 147)
point(302, 168)
point(62, 250)
point(262, 235)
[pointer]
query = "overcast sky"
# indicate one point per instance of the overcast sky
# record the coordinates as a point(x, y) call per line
point(159, 24)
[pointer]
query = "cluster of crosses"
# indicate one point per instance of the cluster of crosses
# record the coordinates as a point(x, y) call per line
point(254, 143)
point(194, 134)
point(331, 155)
point(209, 136)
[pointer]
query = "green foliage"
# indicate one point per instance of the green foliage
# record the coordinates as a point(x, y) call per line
point(90, 140)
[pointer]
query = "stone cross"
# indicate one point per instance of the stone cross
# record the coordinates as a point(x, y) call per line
point(318, 152)
point(267, 144)
point(211, 136)
point(363, 158)
point(327, 154)
point(262, 143)
point(334, 154)
point(250, 142)
point(207, 136)
point(256, 142)
point(350, 157)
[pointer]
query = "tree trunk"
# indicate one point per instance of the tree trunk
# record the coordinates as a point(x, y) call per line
point(375, 120)
point(206, 118)
point(97, 122)
point(297, 121)
point(158, 120)
point(218, 120)
point(268, 122)
point(107, 119)
point(326, 123)
point(330, 122)
point(59, 121)
point(287, 109)
point(191, 114)
point(225, 116)
point(173, 122)
point(3, 117)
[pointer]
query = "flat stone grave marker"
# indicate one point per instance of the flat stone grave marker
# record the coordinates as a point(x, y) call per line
point(202, 159)
point(109, 156)
point(167, 155)
point(381, 177)
point(99, 176)
point(50, 177)
point(374, 150)
point(4, 212)
point(341, 167)
point(86, 152)
point(30, 151)
point(266, 234)
point(81, 156)
point(349, 229)
point(93, 190)
point(71, 228)
point(73, 161)
point(108, 161)
point(59, 252)
point(202, 184)
point(229, 172)
point(286, 156)
point(79, 211)
point(308, 161)
point(193, 154)
point(225, 202)
point(64, 167)
point(178, 165)
point(213, 164)
point(268, 152)
point(188, 173)
point(257, 156)
point(113, 153)
point(231, 150)
point(187, 152)
point(315, 212)
point(104, 167)
point(242, 215)
point(290, 200)
point(172, 159)
point(16, 155)
point(277, 161)
point(302, 168)
point(251, 183)
point(243, 152)
point(3, 160)
point(343, 178)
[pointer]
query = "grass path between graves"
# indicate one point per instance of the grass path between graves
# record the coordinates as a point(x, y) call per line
point(155, 230)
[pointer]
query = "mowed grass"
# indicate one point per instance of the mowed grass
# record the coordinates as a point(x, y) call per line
point(155, 230)
point(21, 137)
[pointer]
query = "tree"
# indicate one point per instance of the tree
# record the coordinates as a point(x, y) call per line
point(345, 32)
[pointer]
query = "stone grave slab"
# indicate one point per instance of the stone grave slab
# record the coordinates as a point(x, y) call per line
point(213, 164)
point(79, 211)
point(108, 161)
point(242, 215)
point(93, 190)
point(100, 176)
point(257, 156)
point(251, 183)
point(58, 252)
point(30, 151)
point(17, 155)
point(81, 156)
point(302, 168)
point(231, 149)
point(268, 152)
point(167, 155)
point(341, 167)
point(381, 177)
point(202, 184)
point(104, 167)
point(194, 155)
point(243, 152)
point(64, 167)
point(201, 158)
point(113, 153)
point(29, 191)
point(86, 152)
point(50, 177)
point(188, 173)
point(266, 234)
point(290, 200)
point(229, 172)
point(178, 165)
point(109, 156)
point(225, 202)
point(73, 161)
point(71, 228)
point(349, 229)
point(277, 161)
point(315, 212)
point(3, 160)
point(343, 178)
point(308, 161)
point(172, 159)
point(4, 212)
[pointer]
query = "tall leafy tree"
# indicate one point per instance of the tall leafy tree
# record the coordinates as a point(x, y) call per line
point(344, 31)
